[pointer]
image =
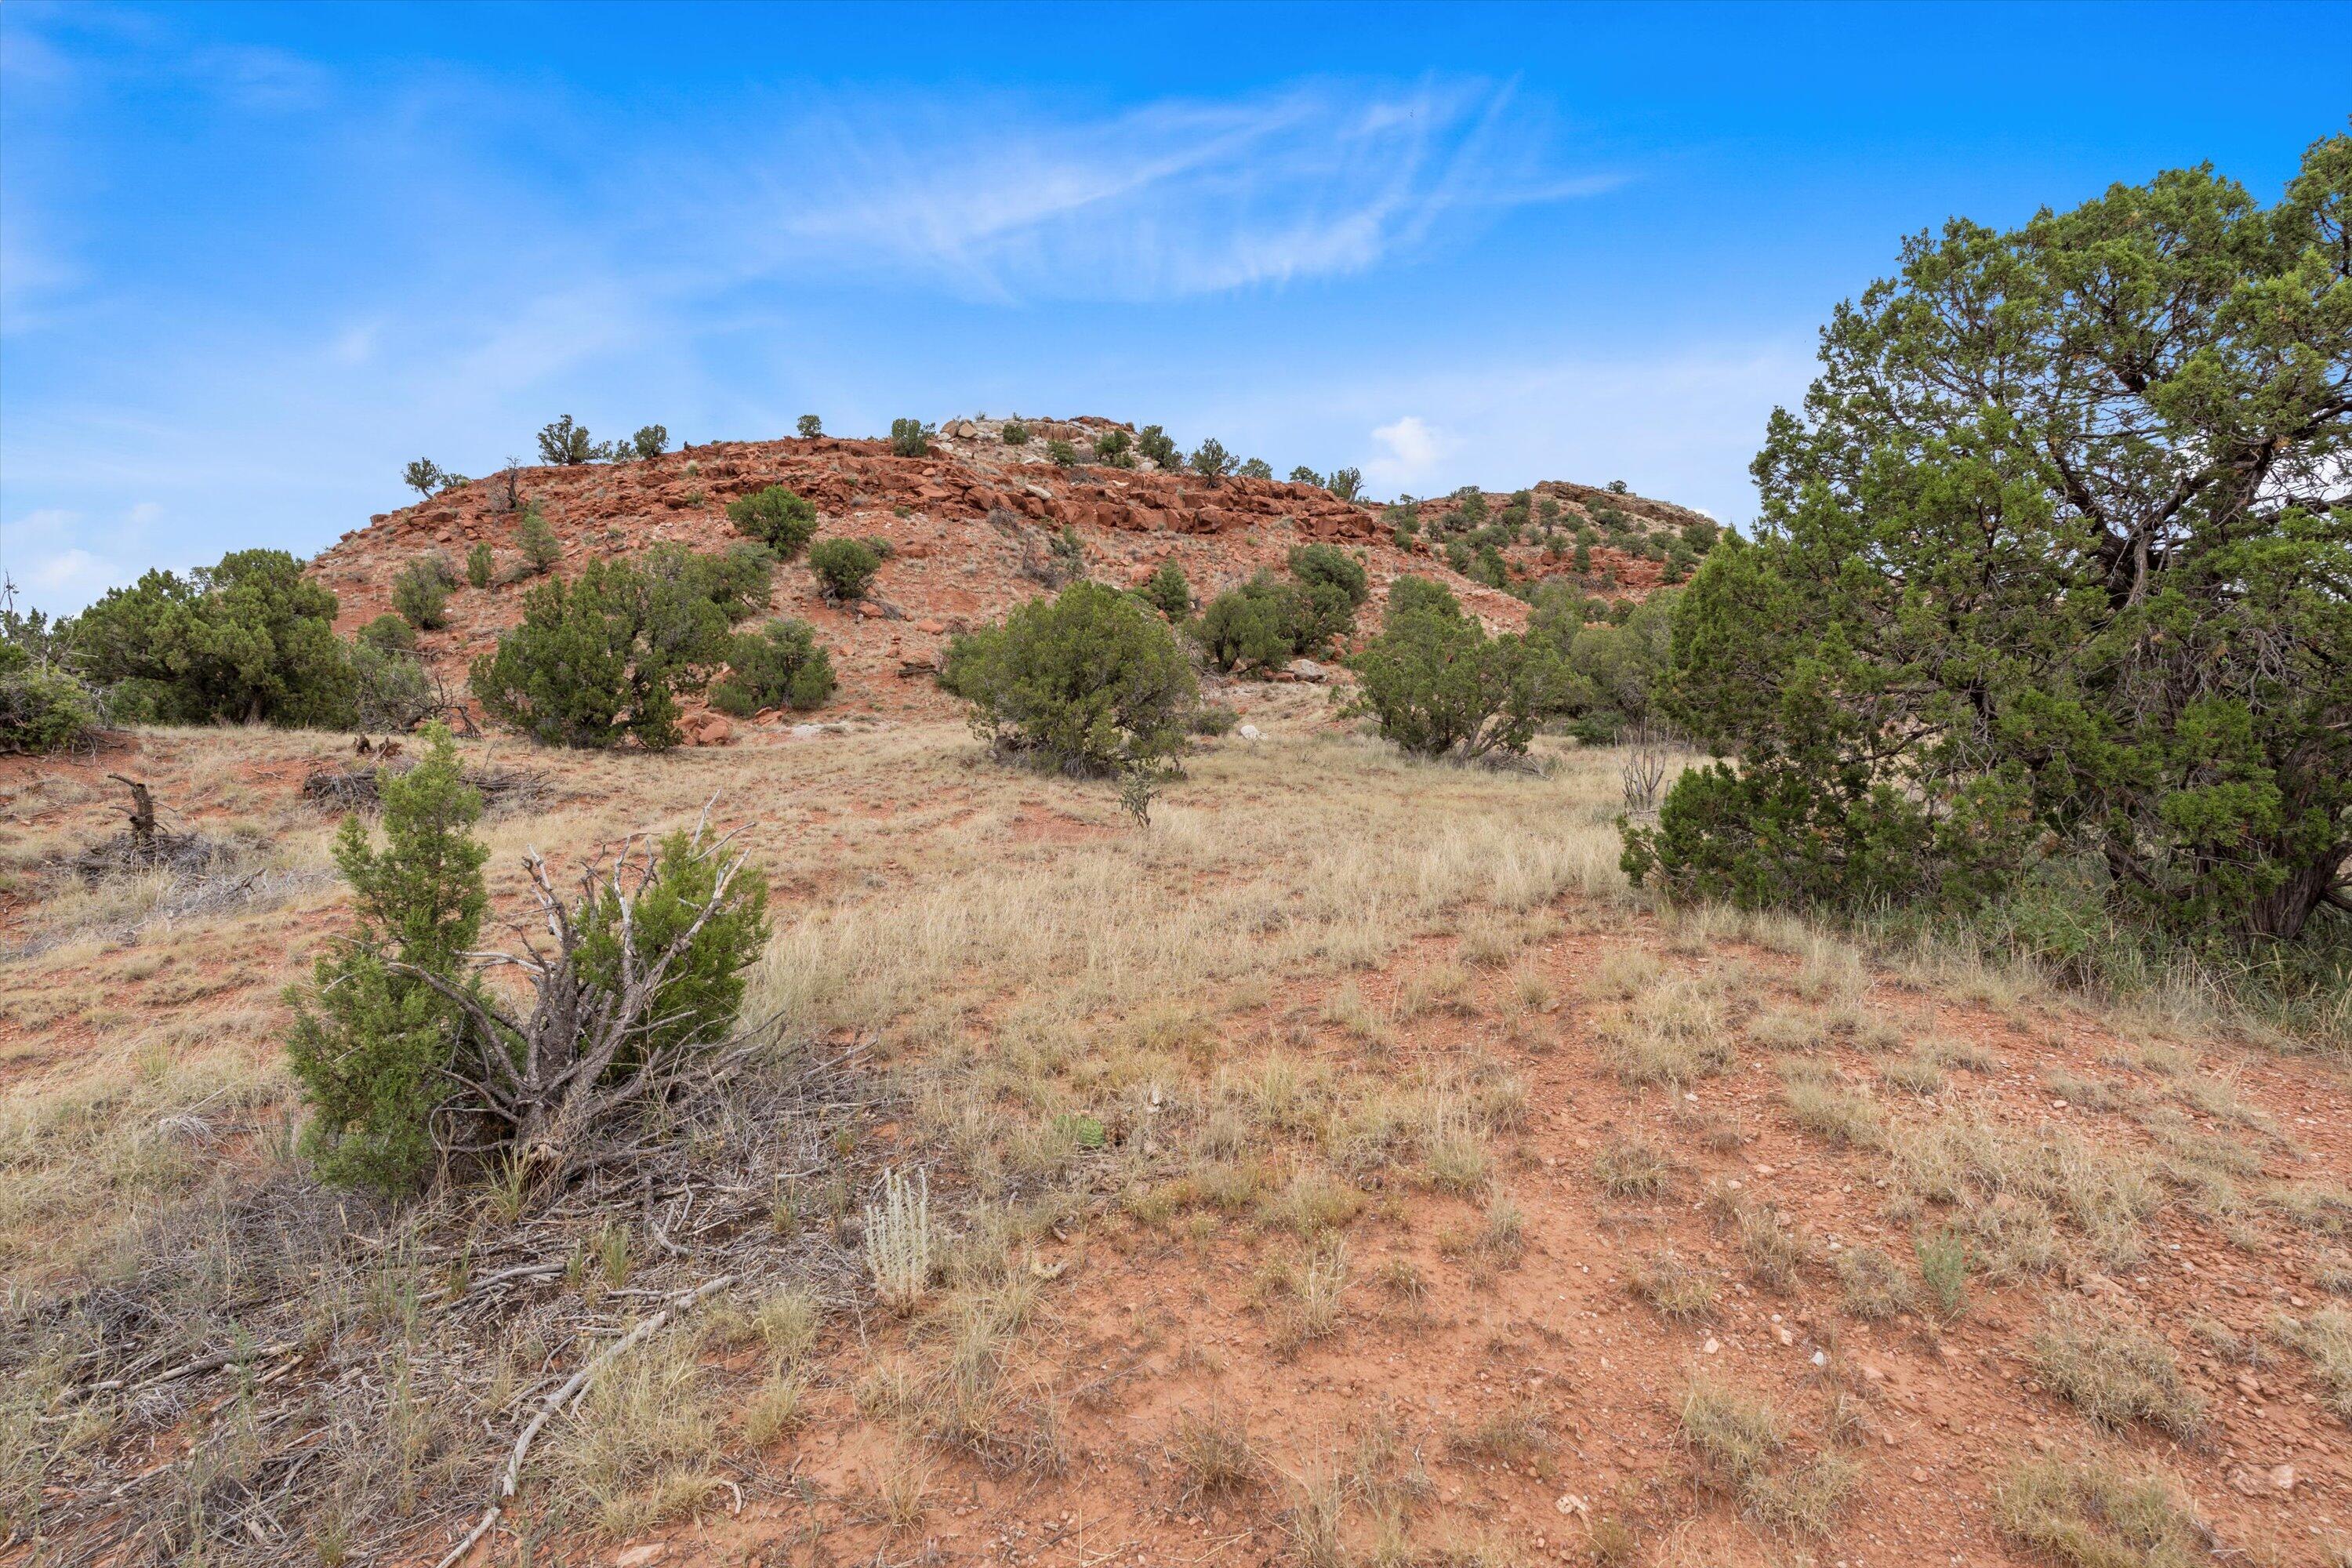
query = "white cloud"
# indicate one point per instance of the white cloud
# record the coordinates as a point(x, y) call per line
point(1413, 450)
point(1173, 199)
point(71, 573)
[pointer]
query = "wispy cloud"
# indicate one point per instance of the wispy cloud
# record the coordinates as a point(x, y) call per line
point(1011, 200)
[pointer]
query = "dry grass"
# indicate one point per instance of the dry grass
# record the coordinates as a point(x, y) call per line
point(1210, 1452)
point(2114, 1371)
point(641, 1446)
point(1675, 1288)
point(2012, 1190)
point(1740, 1442)
point(2325, 1339)
point(1843, 1116)
point(2089, 1516)
point(1634, 1168)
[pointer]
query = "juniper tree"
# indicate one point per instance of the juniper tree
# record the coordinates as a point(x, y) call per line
point(373, 1038)
point(2054, 564)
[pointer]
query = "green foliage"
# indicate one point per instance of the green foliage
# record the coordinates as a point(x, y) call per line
point(1327, 565)
point(1115, 448)
point(1211, 461)
point(650, 441)
point(1409, 594)
point(1063, 453)
point(565, 443)
point(844, 568)
point(1437, 685)
point(780, 666)
point(1266, 622)
point(1617, 486)
point(1013, 433)
point(250, 638)
point(1170, 591)
point(2047, 567)
point(910, 439)
point(1089, 681)
point(778, 518)
point(810, 427)
point(701, 988)
point(734, 580)
point(1346, 484)
point(605, 655)
point(423, 476)
point(1303, 475)
point(1156, 444)
point(420, 592)
point(479, 565)
point(1257, 469)
point(43, 707)
point(541, 549)
point(390, 634)
point(1617, 664)
point(390, 688)
point(371, 1037)
point(1259, 624)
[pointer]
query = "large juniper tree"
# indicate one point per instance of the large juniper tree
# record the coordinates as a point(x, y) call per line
point(2055, 567)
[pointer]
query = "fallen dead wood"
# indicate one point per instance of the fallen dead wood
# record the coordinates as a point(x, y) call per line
point(573, 1387)
point(356, 786)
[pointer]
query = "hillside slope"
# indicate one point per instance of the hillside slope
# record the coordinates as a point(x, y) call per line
point(968, 525)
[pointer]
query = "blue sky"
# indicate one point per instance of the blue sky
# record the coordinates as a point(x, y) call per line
point(254, 258)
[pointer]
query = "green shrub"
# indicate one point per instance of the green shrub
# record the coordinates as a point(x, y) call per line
point(1170, 591)
point(250, 638)
point(43, 708)
point(734, 580)
point(776, 517)
point(406, 1058)
point(1437, 685)
point(1115, 449)
point(390, 687)
point(423, 476)
point(1063, 453)
point(1211, 461)
point(1015, 433)
point(1303, 475)
point(1986, 632)
point(701, 989)
point(390, 634)
point(1264, 623)
point(780, 666)
point(371, 1035)
point(541, 549)
point(1257, 469)
point(650, 441)
point(479, 565)
point(1410, 593)
point(1319, 565)
point(1346, 484)
point(1089, 681)
point(420, 592)
point(810, 427)
point(565, 443)
point(603, 657)
point(844, 568)
point(1154, 443)
point(910, 439)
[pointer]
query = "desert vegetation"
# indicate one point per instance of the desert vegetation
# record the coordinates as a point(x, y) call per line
point(1506, 1028)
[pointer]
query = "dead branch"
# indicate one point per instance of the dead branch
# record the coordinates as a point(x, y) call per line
point(572, 1388)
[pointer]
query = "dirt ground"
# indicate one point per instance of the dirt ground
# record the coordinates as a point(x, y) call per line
point(1344, 1167)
